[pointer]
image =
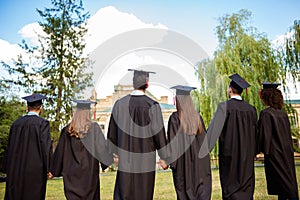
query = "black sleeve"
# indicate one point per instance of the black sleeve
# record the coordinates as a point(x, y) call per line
point(216, 125)
point(264, 133)
point(173, 142)
point(57, 161)
point(112, 136)
point(95, 143)
point(5, 162)
point(160, 140)
point(46, 144)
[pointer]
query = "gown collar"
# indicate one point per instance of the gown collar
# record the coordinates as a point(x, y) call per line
point(32, 113)
point(137, 93)
point(237, 97)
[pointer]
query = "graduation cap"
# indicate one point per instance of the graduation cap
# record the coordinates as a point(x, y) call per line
point(34, 99)
point(84, 104)
point(183, 90)
point(238, 82)
point(270, 85)
point(140, 78)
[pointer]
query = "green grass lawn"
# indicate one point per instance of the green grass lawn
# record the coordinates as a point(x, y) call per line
point(164, 188)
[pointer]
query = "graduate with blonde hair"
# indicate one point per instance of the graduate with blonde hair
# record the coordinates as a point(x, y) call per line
point(76, 158)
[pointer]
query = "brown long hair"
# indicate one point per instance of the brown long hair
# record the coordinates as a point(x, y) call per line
point(272, 97)
point(81, 122)
point(190, 122)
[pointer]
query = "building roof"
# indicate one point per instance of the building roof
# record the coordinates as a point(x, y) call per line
point(166, 106)
point(292, 101)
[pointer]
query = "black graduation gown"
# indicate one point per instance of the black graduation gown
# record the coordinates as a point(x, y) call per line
point(275, 142)
point(28, 158)
point(235, 124)
point(135, 132)
point(75, 160)
point(191, 174)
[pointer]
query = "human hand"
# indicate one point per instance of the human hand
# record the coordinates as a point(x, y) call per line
point(50, 175)
point(163, 164)
point(116, 160)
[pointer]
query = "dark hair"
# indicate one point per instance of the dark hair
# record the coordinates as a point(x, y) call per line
point(33, 107)
point(140, 87)
point(236, 90)
point(272, 97)
point(140, 80)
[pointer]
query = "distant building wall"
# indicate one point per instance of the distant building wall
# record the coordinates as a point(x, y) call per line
point(104, 106)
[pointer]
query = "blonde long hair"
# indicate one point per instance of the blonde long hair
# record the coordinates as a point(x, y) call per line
point(81, 122)
point(190, 122)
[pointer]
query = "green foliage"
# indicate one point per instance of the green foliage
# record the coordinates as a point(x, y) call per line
point(292, 52)
point(243, 50)
point(10, 110)
point(290, 56)
point(57, 67)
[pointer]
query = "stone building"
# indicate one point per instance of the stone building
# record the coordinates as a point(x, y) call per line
point(104, 106)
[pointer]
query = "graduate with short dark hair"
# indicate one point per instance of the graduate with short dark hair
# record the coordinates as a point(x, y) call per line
point(186, 133)
point(80, 148)
point(28, 154)
point(275, 141)
point(136, 132)
point(235, 125)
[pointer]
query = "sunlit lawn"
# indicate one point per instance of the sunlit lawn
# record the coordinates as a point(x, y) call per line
point(164, 188)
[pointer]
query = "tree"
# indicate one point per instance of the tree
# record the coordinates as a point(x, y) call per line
point(292, 52)
point(57, 66)
point(243, 50)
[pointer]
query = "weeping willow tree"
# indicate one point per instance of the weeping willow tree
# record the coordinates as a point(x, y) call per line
point(243, 50)
point(212, 91)
point(290, 54)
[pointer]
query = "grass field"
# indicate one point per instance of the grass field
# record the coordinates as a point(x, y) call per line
point(164, 188)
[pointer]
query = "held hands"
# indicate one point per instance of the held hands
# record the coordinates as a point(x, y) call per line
point(116, 160)
point(50, 175)
point(163, 164)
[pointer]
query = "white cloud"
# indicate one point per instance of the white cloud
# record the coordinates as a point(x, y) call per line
point(280, 41)
point(9, 51)
point(105, 24)
point(109, 22)
point(31, 32)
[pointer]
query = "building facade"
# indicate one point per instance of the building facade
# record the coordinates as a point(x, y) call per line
point(104, 106)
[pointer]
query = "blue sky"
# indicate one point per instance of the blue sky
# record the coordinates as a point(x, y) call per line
point(194, 18)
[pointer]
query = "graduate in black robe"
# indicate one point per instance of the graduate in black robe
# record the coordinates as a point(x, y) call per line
point(275, 141)
point(186, 133)
point(235, 125)
point(76, 158)
point(28, 154)
point(135, 132)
